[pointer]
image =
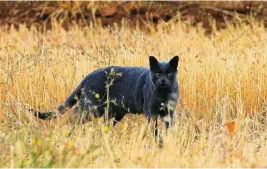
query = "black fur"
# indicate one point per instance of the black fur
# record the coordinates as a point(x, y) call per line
point(153, 92)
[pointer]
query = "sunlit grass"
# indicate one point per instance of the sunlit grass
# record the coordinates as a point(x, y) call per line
point(221, 113)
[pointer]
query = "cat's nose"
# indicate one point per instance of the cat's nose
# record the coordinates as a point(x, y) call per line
point(163, 80)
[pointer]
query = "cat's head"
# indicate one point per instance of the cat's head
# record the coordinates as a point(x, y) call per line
point(163, 73)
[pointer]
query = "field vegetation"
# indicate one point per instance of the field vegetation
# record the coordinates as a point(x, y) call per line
point(221, 118)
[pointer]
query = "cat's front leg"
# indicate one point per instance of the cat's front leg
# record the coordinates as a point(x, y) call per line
point(173, 118)
point(169, 119)
point(152, 121)
point(153, 124)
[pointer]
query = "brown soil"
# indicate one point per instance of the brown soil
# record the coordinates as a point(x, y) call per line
point(41, 14)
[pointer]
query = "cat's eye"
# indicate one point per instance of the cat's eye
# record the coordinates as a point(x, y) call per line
point(169, 74)
point(157, 74)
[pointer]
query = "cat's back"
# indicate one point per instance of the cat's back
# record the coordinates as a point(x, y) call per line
point(118, 69)
point(122, 77)
point(125, 69)
point(128, 76)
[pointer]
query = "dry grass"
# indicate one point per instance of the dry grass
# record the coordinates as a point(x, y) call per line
point(222, 79)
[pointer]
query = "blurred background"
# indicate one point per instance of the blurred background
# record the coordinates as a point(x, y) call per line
point(42, 14)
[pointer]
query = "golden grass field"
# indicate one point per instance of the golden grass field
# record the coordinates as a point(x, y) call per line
point(221, 113)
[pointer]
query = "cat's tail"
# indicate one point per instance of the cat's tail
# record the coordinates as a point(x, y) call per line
point(44, 115)
point(62, 108)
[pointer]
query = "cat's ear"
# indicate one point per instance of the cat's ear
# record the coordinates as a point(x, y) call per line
point(153, 62)
point(174, 62)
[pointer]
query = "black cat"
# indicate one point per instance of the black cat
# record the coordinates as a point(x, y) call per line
point(122, 90)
